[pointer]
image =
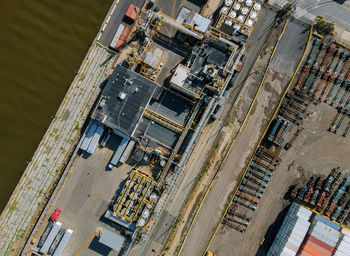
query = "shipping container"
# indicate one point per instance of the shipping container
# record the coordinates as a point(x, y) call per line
point(95, 140)
point(319, 248)
point(90, 131)
point(328, 222)
point(53, 233)
point(127, 151)
point(320, 243)
point(305, 253)
point(120, 37)
point(130, 13)
point(346, 238)
point(312, 251)
point(346, 232)
point(63, 243)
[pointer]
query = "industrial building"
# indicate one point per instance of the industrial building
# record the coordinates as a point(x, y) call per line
point(159, 120)
point(306, 233)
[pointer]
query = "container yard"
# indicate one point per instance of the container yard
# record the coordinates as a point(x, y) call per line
point(304, 149)
point(306, 233)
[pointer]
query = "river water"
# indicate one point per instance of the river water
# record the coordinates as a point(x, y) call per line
point(42, 44)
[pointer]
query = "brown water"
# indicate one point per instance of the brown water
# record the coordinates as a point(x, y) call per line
point(42, 44)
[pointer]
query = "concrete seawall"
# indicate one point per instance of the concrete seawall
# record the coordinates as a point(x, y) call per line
point(33, 189)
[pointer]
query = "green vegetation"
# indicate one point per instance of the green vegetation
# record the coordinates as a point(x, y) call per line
point(324, 27)
point(263, 52)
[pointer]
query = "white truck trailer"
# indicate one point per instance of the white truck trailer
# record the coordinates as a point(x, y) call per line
point(63, 243)
point(53, 233)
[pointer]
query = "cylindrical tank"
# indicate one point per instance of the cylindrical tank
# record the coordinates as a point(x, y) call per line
point(232, 14)
point(249, 23)
point(228, 2)
point(252, 15)
point(240, 18)
point(224, 10)
point(249, 3)
point(236, 6)
point(257, 7)
point(244, 10)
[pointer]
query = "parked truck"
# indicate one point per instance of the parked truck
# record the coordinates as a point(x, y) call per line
point(120, 37)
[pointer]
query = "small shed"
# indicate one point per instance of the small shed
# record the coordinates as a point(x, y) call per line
point(112, 240)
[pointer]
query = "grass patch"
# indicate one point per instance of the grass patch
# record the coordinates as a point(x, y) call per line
point(263, 52)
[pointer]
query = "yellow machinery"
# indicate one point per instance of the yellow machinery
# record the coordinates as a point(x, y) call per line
point(134, 197)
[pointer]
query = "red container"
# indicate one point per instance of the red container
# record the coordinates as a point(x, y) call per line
point(321, 243)
point(319, 248)
point(312, 251)
point(130, 13)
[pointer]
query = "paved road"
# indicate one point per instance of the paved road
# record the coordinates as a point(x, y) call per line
point(334, 11)
point(116, 18)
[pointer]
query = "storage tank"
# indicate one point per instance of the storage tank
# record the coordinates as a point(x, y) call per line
point(240, 18)
point(249, 23)
point(228, 2)
point(236, 6)
point(224, 10)
point(249, 3)
point(232, 14)
point(63, 243)
point(252, 15)
point(244, 10)
point(257, 7)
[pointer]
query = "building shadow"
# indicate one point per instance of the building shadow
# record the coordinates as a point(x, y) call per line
point(99, 248)
point(271, 232)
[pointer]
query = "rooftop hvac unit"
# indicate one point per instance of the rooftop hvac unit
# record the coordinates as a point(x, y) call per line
point(236, 6)
point(122, 96)
point(252, 15)
point(244, 10)
point(228, 2)
point(249, 2)
point(232, 14)
point(228, 22)
point(224, 10)
point(257, 7)
point(240, 18)
point(249, 23)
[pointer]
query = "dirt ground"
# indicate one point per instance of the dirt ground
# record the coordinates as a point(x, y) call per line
point(315, 151)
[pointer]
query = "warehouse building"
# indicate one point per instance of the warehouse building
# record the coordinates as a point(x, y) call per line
point(306, 233)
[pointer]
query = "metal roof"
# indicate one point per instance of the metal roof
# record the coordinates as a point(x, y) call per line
point(112, 240)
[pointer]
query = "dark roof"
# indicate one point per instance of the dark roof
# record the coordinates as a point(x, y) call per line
point(124, 114)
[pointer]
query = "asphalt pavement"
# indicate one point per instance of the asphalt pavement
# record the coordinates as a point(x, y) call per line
point(336, 11)
point(116, 18)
